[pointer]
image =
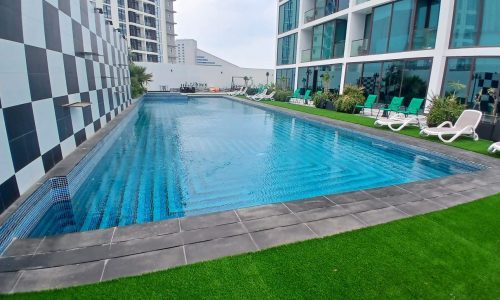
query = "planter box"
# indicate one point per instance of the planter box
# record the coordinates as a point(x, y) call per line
point(489, 131)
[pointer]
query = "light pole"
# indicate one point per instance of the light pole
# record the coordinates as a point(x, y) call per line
point(267, 78)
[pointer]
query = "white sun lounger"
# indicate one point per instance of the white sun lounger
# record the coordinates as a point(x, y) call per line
point(258, 96)
point(494, 147)
point(465, 125)
point(237, 92)
point(398, 122)
point(265, 97)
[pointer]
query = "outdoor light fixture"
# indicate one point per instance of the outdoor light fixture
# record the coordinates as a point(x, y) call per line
point(98, 10)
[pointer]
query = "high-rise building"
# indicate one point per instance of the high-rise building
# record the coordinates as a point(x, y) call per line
point(410, 48)
point(148, 25)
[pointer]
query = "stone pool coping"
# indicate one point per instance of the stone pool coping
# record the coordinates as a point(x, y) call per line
point(94, 256)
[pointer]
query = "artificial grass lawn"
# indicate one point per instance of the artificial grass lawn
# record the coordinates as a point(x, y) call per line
point(450, 254)
point(465, 143)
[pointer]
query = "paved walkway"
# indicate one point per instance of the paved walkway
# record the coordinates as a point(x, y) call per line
point(94, 256)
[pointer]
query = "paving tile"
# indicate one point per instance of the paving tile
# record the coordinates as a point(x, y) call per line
point(387, 191)
point(366, 205)
point(145, 245)
point(59, 277)
point(208, 220)
point(282, 235)
point(75, 256)
point(350, 197)
point(476, 194)
point(401, 199)
point(143, 263)
point(259, 212)
point(145, 230)
point(335, 225)
point(22, 247)
point(435, 192)
point(7, 281)
point(322, 213)
point(464, 186)
point(271, 222)
point(419, 207)
point(417, 187)
point(14, 263)
point(451, 200)
point(219, 248)
point(76, 240)
point(380, 216)
point(215, 232)
point(308, 204)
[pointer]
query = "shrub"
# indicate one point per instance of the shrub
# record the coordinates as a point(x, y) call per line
point(447, 108)
point(252, 91)
point(282, 95)
point(320, 100)
point(351, 97)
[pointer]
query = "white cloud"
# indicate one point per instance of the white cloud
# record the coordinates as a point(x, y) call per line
point(241, 32)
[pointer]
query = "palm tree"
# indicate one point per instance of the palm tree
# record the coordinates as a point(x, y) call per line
point(139, 79)
point(326, 82)
point(246, 79)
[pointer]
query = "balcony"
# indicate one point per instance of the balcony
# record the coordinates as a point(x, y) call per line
point(359, 47)
point(136, 33)
point(137, 46)
point(424, 38)
point(314, 14)
point(361, 1)
point(133, 5)
point(306, 55)
point(338, 49)
point(322, 11)
point(149, 9)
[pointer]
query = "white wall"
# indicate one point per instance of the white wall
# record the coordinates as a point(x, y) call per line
point(173, 75)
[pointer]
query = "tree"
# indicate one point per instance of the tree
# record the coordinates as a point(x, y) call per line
point(326, 82)
point(139, 79)
point(246, 79)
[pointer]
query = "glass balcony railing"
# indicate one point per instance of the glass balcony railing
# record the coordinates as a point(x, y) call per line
point(338, 49)
point(359, 47)
point(424, 38)
point(315, 13)
point(361, 1)
point(306, 55)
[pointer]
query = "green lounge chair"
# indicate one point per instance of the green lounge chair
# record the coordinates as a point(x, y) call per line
point(307, 96)
point(319, 93)
point(295, 95)
point(413, 108)
point(369, 103)
point(394, 106)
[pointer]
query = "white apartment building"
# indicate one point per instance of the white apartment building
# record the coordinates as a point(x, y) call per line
point(148, 25)
point(410, 48)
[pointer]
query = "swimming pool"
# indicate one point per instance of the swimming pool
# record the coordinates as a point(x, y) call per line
point(180, 157)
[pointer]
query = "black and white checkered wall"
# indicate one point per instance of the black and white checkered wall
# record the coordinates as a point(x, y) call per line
point(54, 52)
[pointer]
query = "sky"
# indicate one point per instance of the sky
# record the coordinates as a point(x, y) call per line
point(241, 32)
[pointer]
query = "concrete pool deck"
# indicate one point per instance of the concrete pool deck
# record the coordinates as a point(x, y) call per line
point(94, 256)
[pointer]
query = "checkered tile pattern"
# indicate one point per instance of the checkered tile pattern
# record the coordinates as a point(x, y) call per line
point(54, 52)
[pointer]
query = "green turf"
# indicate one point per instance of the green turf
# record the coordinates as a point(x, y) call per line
point(465, 143)
point(450, 254)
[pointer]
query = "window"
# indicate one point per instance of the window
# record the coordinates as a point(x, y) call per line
point(328, 40)
point(285, 78)
point(426, 23)
point(121, 15)
point(476, 23)
point(400, 26)
point(381, 21)
point(288, 16)
point(312, 77)
point(287, 49)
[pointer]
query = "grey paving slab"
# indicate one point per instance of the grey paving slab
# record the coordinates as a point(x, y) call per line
point(69, 257)
point(387, 191)
point(451, 200)
point(14, 263)
point(419, 207)
point(335, 225)
point(22, 247)
point(259, 212)
point(76, 240)
point(460, 187)
point(146, 230)
point(356, 207)
point(271, 222)
point(210, 233)
point(417, 187)
point(209, 220)
point(143, 263)
point(379, 216)
point(401, 199)
point(59, 277)
point(145, 245)
point(307, 204)
point(476, 193)
point(282, 235)
point(7, 281)
point(435, 192)
point(350, 197)
point(322, 213)
point(219, 248)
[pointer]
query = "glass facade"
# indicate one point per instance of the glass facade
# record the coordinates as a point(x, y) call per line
point(312, 77)
point(285, 78)
point(287, 50)
point(324, 8)
point(476, 23)
point(404, 25)
point(288, 16)
point(408, 78)
point(328, 40)
point(476, 76)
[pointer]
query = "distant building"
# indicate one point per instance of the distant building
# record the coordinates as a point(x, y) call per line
point(188, 53)
point(148, 25)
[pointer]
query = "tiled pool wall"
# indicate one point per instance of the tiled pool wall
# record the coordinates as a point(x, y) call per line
point(54, 53)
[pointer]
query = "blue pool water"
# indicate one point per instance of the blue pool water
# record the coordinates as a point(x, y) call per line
point(188, 157)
